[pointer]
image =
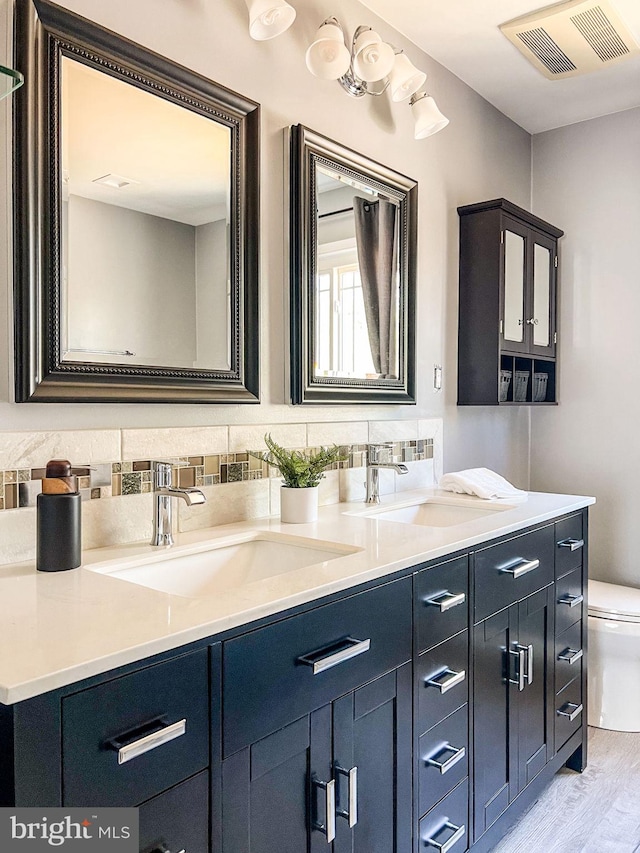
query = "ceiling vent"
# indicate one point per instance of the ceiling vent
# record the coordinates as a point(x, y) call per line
point(572, 38)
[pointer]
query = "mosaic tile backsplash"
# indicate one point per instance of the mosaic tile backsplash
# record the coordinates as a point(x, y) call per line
point(20, 487)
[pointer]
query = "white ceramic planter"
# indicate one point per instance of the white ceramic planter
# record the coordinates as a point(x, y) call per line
point(298, 506)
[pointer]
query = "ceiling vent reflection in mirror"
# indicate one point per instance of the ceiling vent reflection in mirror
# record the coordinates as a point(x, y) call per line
point(370, 67)
point(569, 39)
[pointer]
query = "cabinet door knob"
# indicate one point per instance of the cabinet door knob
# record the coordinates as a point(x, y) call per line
point(329, 825)
point(351, 812)
point(445, 846)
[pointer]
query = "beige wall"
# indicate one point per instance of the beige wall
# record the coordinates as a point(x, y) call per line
point(586, 180)
point(480, 155)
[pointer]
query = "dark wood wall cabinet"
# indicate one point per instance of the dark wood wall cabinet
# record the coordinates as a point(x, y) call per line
point(423, 711)
point(507, 329)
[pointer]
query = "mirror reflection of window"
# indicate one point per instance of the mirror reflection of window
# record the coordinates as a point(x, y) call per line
point(348, 316)
point(145, 227)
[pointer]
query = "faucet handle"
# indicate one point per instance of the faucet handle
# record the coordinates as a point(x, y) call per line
point(162, 474)
point(379, 452)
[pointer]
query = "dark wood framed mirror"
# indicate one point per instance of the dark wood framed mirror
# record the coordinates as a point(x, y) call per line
point(136, 222)
point(353, 234)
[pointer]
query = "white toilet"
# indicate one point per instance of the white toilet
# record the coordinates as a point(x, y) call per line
point(614, 657)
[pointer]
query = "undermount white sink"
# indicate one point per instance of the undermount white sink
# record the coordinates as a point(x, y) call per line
point(436, 513)
point(224, 564)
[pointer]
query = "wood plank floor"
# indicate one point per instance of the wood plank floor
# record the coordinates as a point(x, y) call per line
point(597, 811)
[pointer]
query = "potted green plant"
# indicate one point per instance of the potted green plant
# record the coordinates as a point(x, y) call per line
point(301, 472)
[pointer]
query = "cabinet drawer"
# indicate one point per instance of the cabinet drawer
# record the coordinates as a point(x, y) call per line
point(441, 602)
point(569, 544)
point(443, 753)
point(131, 738)
point(178, 819)
point(282, 672)
point(568, 712)
point(568, 655)
point(449, 820)
point(442, 680)
point(512, 570)
point(569, 600)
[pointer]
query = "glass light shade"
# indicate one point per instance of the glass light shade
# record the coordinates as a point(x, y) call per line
point(373, 59)
point(405, 79)
point(427, 116)
point(328, 57)
point(10, 80)
point(269, 18)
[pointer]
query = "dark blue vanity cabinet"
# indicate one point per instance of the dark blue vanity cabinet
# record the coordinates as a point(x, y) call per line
point(421, 712)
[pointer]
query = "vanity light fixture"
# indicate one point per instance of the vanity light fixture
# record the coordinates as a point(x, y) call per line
point(370, 68)
point(269, 18)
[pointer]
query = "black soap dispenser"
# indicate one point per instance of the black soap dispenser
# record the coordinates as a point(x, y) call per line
point(59, 545)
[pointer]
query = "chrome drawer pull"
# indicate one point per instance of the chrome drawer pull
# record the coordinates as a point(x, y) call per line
point(571, 600)
point(446, 600)
point(351, 650)
point(329, 826)
point(151, 741)
point(458, 833)
point(565, 712)
point(446, 679)
point(571, 544)
point(445, 766)
point(570, 655)
point(520, 567)
point(351, 814)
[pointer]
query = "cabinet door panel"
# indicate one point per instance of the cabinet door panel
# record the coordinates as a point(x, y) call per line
point(535, 633)
point(268, 793)
point(495, 741)
point(372, 731)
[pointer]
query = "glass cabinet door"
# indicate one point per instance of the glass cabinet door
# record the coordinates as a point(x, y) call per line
point(542, 320)
point(515, 260)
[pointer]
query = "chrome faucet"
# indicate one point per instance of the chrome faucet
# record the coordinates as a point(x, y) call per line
point(375, 452)
point(163, 491)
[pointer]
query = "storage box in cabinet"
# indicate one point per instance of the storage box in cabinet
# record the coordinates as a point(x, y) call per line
point(442, 680)
point(443, 755)
point(569, 600)
point(447, 824)
point(278, 674)
point(127, 740)
point(178, 819)
point(512, 570)
point(569, 655)
point(569, 712)
point(569, 544)
point(441, 602)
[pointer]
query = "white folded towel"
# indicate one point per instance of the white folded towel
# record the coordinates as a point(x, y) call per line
point(481, 482)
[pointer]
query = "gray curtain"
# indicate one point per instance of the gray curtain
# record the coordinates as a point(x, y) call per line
point(377, 258)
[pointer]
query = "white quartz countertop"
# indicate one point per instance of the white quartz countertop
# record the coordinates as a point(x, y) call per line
point(59, 628)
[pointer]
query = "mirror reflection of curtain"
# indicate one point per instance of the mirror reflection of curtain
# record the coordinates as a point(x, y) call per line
point(377, 258)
